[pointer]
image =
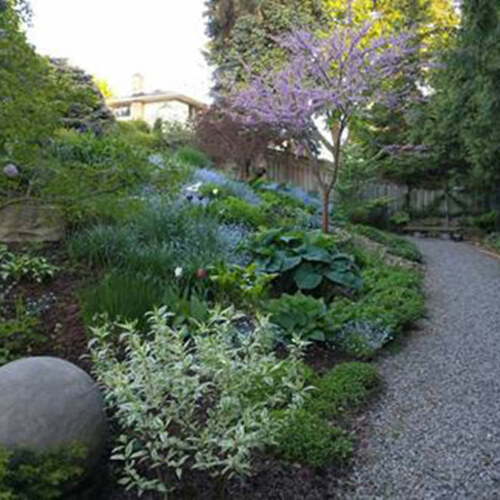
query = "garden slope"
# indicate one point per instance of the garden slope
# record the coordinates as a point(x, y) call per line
point(436, 432)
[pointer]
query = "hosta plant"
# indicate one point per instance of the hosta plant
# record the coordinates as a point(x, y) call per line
point(206, 403)
point(308, 261)
point(300, 315)
point(23, 266)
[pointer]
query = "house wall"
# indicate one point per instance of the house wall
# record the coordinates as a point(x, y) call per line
point(169, 111)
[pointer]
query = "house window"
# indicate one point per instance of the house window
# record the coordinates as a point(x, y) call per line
point(122, 112)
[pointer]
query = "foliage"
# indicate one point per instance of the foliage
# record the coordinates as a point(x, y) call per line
point(236, 210)
point(192, 157)
point(466, 99)
point(329, 80)
point(492, 241)
point(192, 405)
point(309, 439)
point(392, 300)
point(242, 286)
point(29, 109)
point(227, 140)
point(26, 475)
point(243, 34)
point(305, 261)
point(300, 315)
point(344, 388)
point(400, 219)
point(16, 267)
point(489, 221)
point(18, 331)
point(225, 184)
point(166, 235)
point(395, 244)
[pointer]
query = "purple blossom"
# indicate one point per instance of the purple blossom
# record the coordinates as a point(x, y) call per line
point(11, 171)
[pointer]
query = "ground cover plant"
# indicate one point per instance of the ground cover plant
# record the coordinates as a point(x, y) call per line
point(395, 244)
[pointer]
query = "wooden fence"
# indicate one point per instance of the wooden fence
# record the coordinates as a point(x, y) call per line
point(287, 168)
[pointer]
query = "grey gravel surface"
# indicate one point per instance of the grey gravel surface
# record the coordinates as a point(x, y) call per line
point(435, 432)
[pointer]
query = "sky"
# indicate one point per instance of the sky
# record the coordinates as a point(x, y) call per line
point(113, 39)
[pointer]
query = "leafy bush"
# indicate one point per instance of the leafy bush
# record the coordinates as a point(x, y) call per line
point(192, 404)
point(300, 315)
point(305, 261)
point(395, 244)
point(392, 300)
point(493, 242)
point(345, 387)
point(241, 286)
point(488, 221)
point(18, 332)
point(191, 156)
point(309, 439)
point(236, 210)
point(26, 475)
point(23, 266)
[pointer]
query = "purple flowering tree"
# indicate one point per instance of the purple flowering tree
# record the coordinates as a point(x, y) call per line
point(326, 82)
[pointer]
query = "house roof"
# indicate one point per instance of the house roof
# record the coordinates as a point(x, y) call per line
point(158, 96)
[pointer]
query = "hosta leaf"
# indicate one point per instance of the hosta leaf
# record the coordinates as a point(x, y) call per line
point(306, 278)
point(317, 255)
point(346, 279)
point(317, 335)
point(290, 263)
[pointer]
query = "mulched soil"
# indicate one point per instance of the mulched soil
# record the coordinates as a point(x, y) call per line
point(62, 326)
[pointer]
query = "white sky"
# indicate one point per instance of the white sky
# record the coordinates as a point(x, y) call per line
point(113, 39)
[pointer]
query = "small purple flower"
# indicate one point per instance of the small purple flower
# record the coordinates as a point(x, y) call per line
point(11, 171)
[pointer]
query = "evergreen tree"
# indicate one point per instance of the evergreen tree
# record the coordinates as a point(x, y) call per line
point(243, 34)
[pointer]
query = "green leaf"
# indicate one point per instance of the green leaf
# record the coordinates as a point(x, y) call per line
point(315, 254)
point(290, 263)
point(306, 278)
point(317, 335)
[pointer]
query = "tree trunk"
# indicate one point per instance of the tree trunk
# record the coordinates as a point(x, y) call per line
point(326, 214)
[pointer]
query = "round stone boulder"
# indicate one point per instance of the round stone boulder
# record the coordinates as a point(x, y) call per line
point(47, 403)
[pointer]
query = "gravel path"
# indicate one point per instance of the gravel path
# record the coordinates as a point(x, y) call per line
point(435, 433)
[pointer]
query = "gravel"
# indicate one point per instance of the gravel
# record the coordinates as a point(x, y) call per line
point(435, 432)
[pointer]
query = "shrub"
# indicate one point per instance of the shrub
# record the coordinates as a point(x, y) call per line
point(192, 404)
point(300, 315)
point(17, 267)
point(488, 221)
point(392, 300)
point(235, 210)
point(238, 285)
point(192, 157)
point(345, 387)
point(309, 439)
point(305, 261)
point(395, 245)
point(26, 475)
point(493, 242)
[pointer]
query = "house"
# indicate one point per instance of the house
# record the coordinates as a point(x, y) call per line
point(168, 106)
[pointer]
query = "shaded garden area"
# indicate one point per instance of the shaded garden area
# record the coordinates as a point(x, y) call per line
point(227, 325)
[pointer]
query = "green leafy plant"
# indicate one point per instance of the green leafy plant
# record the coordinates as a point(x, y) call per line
point(300, 315)
point(25, 475)
point(391, 300)
point(344, 388)
point(395, 244)
point(232, 209)
point(305, 261)
point(23, 266)
point(309, 439)
point(242, 286)
point(19, 335)
point(192, 404)
point(493, 242)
